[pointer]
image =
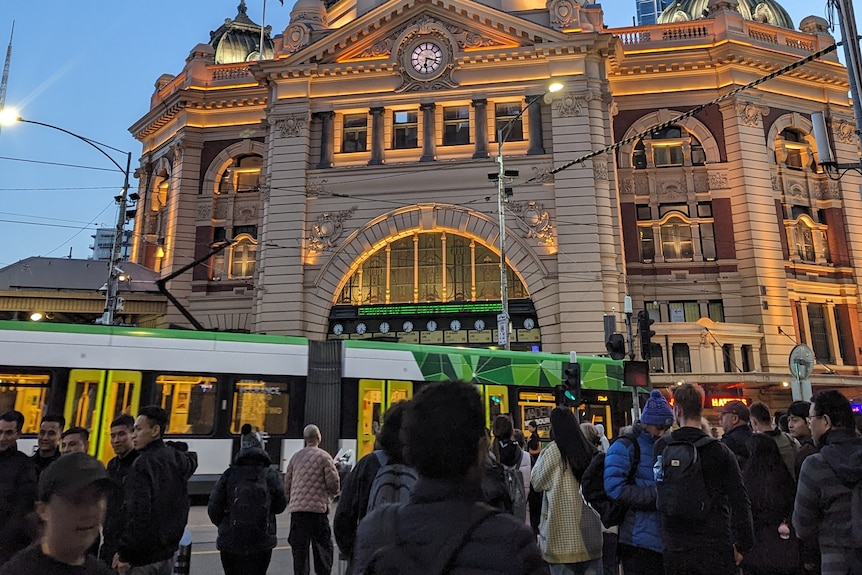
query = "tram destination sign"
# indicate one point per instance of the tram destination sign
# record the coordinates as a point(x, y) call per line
point(429, 309)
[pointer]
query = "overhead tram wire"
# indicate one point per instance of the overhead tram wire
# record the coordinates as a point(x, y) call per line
point(43, 162)
point(693, 111)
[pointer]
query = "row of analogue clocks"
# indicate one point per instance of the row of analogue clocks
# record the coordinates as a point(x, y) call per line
point(408, 327)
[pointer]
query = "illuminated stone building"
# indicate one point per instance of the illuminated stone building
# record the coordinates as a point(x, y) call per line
point(350, 168)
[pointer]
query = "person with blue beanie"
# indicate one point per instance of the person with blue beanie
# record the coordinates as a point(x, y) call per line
point(640, 548)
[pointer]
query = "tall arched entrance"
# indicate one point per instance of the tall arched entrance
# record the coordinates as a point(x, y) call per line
point(432, 287)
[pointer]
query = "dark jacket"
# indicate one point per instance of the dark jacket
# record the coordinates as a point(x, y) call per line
point(219, 505)
point(42, 462)
point(118, 471)
point(640, 528)
point(737, 440)
point(822, 510)
point(729, 520)
point(17, 494)
point(498, 545)
point(806, 448)
point(354, 502)
point(157, 503)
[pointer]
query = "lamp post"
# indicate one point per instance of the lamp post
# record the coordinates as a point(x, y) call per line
point(503, 319)
point(112, 298)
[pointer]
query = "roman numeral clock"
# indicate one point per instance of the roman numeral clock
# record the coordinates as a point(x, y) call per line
point(425, 57)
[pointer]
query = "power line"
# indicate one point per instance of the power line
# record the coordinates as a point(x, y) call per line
point(28, 161)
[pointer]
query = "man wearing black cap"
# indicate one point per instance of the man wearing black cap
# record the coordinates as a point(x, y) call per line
point(736, 422)
point(72, 495)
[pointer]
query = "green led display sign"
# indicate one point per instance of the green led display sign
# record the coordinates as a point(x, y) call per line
point(430, 309)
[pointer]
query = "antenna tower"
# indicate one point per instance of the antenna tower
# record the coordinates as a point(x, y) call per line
point(5, 81)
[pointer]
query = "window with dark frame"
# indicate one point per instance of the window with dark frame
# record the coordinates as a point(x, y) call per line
point(504, 113)
point(354, 137)
point(405, 130)
point(456, 125)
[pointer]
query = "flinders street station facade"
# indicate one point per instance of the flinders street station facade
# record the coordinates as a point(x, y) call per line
point(350, 169)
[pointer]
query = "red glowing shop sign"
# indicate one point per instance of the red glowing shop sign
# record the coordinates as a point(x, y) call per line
point(718, 402)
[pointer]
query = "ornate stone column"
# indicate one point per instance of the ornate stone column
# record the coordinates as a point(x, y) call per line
point(327, 139)
point(429, 152)
point(535, 117)
point(377, 135)
point(480, 112)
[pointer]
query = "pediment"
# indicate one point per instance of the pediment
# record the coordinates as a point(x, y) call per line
point(472, 27)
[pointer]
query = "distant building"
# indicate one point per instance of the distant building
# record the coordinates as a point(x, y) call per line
point(648, 11)
point(103, 244)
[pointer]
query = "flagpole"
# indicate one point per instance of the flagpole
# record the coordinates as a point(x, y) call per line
point(262, 28)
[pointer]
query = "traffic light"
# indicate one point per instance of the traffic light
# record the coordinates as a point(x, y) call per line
point(644, 323)
point(572, 383)
point(616, 346)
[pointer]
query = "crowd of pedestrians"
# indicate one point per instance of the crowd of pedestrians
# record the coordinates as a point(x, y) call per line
point(443, 493)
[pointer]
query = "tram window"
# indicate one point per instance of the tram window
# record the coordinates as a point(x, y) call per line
point(27, 393)
point(263, 404)
point(537, 406)
point(190, 401)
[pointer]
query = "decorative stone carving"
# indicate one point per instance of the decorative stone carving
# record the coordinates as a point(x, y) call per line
point(750, 113)
point(641, 186)
point(718, 181)
point(424, 28)
point(564, 14)
point(796, 191)
point(328, 229)
point(542, 175)
point(534, 221)
point(600, 169)
point(672, 188)
point(701, 182)
point(220, 210)
point(316, 188)
point(828, 190)
point(381, 48)
point(177, 153)
point(776, 184)
point(571, 105)
point(296, 37)
point(470, 39)
point(627, 186)
point(844, 131)
point(291, 126)
point(245, 213)
point(205, 211)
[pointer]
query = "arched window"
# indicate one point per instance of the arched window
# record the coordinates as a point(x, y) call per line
point(242, 256)
point(672, 146)
point(792, 150)
point(242, 175)
point(429, 267)
point(676, 241)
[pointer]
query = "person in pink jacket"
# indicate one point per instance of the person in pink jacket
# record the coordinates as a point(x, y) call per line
point(311, 481)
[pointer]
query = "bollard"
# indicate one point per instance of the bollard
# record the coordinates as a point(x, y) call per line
point(183, 557)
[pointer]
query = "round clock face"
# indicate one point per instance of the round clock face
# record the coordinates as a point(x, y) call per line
point(529, 323)
point(338, 329)
point(431, 325)
point(408, 326)
point(427, 57)
point(384, 327)
point(455, 325)
point(360, 328)
point(480, 325)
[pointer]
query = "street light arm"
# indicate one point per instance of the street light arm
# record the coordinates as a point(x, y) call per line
point(503, 132)
point(93, 143)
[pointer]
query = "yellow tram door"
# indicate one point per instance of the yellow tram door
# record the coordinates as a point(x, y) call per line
point(94, 398)
point(375, 397)
point(496, 402)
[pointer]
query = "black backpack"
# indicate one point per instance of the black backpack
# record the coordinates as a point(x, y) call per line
point(249, 503)
point(392, 484)
point(681, 485)
point(611, 512)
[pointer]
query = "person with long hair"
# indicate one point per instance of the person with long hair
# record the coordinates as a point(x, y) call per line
point(772, 490)
point(507, 453)
point(570, 532)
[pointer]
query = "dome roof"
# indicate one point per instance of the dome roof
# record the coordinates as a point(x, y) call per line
point(766, 11)
point(237, 40)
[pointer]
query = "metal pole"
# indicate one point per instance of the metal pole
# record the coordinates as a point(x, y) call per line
point(501, 213)
point(636, 407)
point(849, 34)
point(113, 295)
point(262, 24)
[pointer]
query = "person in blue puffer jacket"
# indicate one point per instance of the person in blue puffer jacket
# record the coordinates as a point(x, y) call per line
point(639, 535)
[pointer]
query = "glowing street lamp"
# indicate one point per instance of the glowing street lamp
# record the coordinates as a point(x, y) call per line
point(10, 116)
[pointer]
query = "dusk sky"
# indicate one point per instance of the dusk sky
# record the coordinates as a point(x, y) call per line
point(90, 68)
